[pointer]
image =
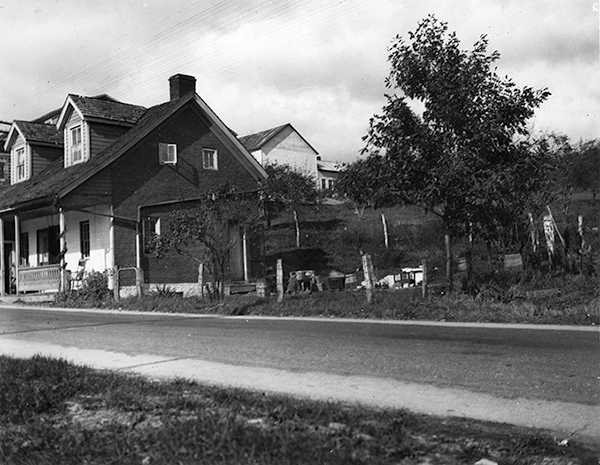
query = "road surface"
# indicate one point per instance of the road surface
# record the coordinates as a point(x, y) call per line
point(412, 364)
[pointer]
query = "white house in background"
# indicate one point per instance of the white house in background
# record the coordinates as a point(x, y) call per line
point(328, 173)
point(285, 146)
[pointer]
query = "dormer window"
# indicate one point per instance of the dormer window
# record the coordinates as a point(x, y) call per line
point(76, 147)
point(167, 154)
point(21, 166)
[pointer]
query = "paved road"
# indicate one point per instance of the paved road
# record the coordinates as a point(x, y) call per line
point(507, 362)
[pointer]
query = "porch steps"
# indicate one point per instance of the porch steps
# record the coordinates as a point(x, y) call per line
point(28, 298)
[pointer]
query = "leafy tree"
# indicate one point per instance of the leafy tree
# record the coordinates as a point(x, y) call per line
point(363, 185)
point(466, 157)
point(286, 190)
point(583, 167)
point(209, 231)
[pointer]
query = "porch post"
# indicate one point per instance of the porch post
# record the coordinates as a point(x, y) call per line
point(2, 264)
point(63, 249)
point(17, 251)
point(245, 252)
point(111, 251)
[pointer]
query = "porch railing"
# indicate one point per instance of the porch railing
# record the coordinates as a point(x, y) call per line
point(40, 278)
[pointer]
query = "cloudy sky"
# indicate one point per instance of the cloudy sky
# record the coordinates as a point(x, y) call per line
point(317, 64)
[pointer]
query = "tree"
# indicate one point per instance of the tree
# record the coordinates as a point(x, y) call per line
point(286, 190)
point(363, 185)
point(583, 167)
point(209, 231)
point(465, 157)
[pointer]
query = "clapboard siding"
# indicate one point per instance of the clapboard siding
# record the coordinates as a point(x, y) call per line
point(102, 135)
point(43, 156)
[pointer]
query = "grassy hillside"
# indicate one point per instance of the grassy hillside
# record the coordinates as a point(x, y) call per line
point(332, 237)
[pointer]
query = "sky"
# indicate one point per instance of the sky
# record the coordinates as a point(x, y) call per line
point(317, 64)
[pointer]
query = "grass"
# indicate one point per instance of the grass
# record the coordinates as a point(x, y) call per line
point(573, 301)
point(53, 412)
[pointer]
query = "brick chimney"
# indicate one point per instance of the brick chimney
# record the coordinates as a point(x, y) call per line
point(181, 84)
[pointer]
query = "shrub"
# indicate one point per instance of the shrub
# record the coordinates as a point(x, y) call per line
point(95, 286)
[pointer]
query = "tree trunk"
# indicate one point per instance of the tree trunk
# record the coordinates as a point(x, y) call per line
point(297, 229)
point(385, 231)
point(449, 276)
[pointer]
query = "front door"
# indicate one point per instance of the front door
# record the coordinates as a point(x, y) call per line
point(48, 246)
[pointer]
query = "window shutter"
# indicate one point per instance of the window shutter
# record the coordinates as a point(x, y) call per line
point(163, 153)
point(85, 146)
point(13, 167)
point(67, 149)
point(27, 162)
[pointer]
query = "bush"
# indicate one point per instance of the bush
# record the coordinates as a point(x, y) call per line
point(92, 293)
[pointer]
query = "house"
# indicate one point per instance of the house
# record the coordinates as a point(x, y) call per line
point(328, 173)
point(283, 145)
point(91, 181)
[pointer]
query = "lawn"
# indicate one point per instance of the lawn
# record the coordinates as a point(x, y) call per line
point(53, 412)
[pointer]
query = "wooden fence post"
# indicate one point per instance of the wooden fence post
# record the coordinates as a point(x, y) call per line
point(116, 284)
point(201, 278)
point(424, 282)
point(368, 272)
point(279, 280)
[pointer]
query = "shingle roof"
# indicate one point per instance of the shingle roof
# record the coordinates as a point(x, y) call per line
point(329, 166)
point(39, 132)
point(107, 108)
point(255, 141)
point(56, 180)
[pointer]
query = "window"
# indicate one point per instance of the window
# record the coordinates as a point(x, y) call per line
point(3, 170)
point(331, 183)
point(24, 249)
point(84, 239)
point(167, 154)
point(323, 183)
point(21, 171)
point(209, 159)
point(150, 228)
point(75, 144)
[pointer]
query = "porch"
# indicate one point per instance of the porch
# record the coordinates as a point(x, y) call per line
point(44, 249)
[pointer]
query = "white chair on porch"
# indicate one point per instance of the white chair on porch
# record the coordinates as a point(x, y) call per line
point(77, 278)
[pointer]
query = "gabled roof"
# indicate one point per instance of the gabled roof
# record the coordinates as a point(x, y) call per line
point(34, 133)
point(255, 141)
point(101, 107)
point(56, 181)
point(39, 132)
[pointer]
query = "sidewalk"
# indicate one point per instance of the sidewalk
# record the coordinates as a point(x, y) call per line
point(565, 419)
